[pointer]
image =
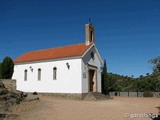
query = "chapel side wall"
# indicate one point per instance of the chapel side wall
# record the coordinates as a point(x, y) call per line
point(68, 80)
point(92, 61)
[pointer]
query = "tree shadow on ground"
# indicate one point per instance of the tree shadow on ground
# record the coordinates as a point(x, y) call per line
point(157, 117)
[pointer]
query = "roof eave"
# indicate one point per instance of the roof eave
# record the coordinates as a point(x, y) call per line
point(48, 60)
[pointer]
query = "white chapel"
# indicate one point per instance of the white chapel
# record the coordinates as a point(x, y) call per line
point(73, 69)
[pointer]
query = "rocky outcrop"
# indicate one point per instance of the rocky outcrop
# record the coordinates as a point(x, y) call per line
point(10, 84)
point(9, 98)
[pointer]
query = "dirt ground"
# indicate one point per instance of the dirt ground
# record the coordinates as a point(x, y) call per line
point(49, 108)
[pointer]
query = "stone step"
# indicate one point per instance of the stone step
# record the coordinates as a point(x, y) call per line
point(96, 96)
point(100, 95)
point(89, 96)
point(31, 97)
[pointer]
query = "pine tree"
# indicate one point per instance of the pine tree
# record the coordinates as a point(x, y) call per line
point(156, 62)
point(104, 67)
point(104, 77)
point(108, 80)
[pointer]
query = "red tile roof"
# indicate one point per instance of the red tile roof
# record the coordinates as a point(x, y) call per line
point(59, 52)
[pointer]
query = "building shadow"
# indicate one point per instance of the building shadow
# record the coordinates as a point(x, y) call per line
point(157, 117)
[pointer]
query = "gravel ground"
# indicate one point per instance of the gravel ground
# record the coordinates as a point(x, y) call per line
point(49, 108)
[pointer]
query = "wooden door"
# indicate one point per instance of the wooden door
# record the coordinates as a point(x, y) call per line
point(91, 75)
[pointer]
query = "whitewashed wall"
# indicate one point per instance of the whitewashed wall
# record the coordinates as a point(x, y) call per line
point(68, 80)
point(95, 62)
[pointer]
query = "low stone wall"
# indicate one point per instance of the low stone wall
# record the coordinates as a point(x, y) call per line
point(10, 84)
point(133, 94)
point(76, 96)
point(156, 94)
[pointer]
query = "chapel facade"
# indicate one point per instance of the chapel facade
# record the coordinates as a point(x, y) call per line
point(68, 70)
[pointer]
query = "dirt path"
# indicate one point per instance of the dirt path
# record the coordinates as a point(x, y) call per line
point(49, 108)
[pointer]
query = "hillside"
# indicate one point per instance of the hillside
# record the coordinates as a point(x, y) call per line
point(143, 83)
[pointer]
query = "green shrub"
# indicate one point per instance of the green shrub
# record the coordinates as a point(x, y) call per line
point(147, 94)
point(7, 67)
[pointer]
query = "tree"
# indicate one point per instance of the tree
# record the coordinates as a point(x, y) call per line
point(110, 83)
point(104, 76)
point(104, 67)
point(118, 88)
point(141, 76)
point(7, 67)
point(147, 74)
point(148, 84)
point(158, 67)
point(108, 80)
point(156, 62)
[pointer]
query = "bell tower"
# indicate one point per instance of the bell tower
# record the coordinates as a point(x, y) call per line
point(89, 33)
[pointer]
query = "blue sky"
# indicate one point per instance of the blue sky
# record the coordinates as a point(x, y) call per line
point(127, 32)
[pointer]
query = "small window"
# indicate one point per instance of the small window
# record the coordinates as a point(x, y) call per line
point(54, 73)
point(39, 74)
point(25, 75)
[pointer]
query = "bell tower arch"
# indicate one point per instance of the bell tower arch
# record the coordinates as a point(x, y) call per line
point(89, 33)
